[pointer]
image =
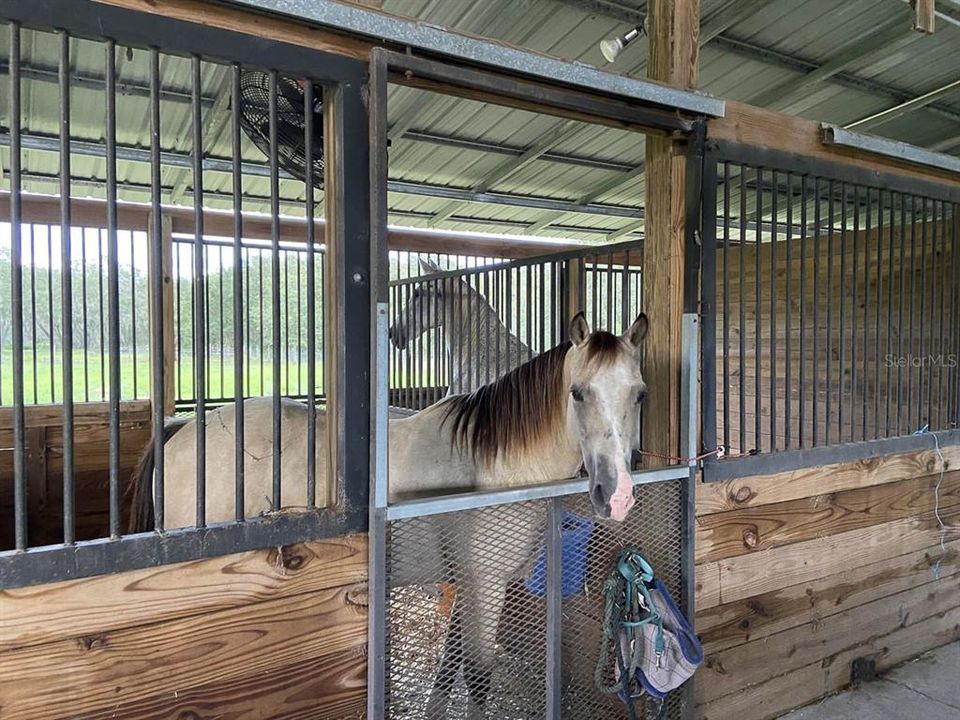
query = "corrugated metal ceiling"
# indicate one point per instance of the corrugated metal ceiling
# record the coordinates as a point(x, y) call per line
point(469, 146)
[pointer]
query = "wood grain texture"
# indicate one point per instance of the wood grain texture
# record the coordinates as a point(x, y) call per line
point(730, 670)
point(327, 687)
point(762, 615)
point(139, 662)
point(783, 692)
point(748, 575)
point(63, 612)
point(757, 529)
point(809, 482)
point(751, 125)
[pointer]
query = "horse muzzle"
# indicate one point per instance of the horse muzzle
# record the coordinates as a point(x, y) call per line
point(611, 491)
point(398, 337)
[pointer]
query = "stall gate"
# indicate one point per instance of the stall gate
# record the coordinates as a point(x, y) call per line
point(540, 558)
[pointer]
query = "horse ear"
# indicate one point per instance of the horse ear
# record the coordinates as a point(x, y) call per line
point(638, 331)
point(428, 266)
point(579, 329)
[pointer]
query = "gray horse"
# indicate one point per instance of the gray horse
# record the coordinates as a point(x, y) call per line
point(479, 347)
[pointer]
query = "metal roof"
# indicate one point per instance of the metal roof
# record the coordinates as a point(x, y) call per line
point(464, 165)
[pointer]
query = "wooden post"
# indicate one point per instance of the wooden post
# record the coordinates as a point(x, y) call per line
point(673, 28)
point(168, 355)
point(926, 18)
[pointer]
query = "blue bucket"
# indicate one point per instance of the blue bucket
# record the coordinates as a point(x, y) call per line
point(574, 537)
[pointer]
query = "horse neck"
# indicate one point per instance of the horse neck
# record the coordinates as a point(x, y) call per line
point(473, 326)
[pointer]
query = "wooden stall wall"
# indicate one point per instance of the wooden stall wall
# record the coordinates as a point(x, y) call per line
point(801, 572)
point(44, 449)
point(866, 340)
point(269, 634)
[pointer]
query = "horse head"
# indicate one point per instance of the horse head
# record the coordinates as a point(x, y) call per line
point(606, 389)
point(426, 306)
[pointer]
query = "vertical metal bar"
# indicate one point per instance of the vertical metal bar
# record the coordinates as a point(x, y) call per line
point(178, 289)
point(16, 301)
point(802, 417)
point(33, 309)
point(554, 611)
point(199, 297)
point(703, 168)
point(742, 302)
point(890, 399)
point(113, 287)
point(285, 257)
point(275, 283)
point(299, 306)
point(262, 389)
point(865, 231)
point(53, 359)
point(954, 313)
point(156, 250)
point(774, 197)
point(926, 371)
point(828, 404)
point(239, 493)
point(379, 392)
point(843, 275)
point(102, 315)
point(133, 313)
point(222, 393)
point(912, 424)
point(816, 310)
point(310, 202)
point(940, 232)
point(726, 302)
point(876, 333)
point(758, 374)
point(66, 291)
point(854, 388)
point(900, 297)
point(788, 322)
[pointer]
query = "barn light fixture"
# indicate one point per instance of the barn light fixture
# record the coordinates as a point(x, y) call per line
point(610, 48)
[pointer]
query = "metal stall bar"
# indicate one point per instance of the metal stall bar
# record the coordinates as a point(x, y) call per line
point(309, 153)
point(158, 381)
point(16, 301)
point(239, 498)
point(66, 290)
point(379, 391)
point(275, 285)
point(199, 294)
point(113, 286)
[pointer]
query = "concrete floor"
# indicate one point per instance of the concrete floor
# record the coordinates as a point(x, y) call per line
point(927, 688)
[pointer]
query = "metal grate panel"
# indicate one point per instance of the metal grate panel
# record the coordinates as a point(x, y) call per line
point(468, 587)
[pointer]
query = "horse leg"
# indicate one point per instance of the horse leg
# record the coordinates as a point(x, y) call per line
point(449, 667)
point(484, 598)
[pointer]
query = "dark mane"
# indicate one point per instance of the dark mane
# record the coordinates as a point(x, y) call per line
point(517, 410)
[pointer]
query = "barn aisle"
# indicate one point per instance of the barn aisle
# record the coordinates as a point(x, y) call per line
point(922, 688)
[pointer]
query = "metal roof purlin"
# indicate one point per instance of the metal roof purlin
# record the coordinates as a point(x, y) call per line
point(392, 29)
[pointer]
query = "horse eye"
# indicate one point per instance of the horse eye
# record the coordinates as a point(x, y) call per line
point(577, 394)
point(641, 396)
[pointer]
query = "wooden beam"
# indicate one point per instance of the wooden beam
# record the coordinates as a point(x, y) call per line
point(84, 414)
point(925, 16)
point(673, 28)
point(43, 209)
point(259, 25)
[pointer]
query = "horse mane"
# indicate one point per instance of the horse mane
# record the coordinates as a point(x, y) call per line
point(519, 409)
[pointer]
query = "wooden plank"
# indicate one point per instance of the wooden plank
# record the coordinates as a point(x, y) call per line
point(748, 575)
point(38, 526)
point(131, 411)
point(757, 529)
point(807, 482)
point(164, 274)
point(759, 616)
point(730, 670)
point(925, 16)
point(139, 662)
point(330, 687)
point(259, 25)
point(784, 692)
point(61, 611)
point(707, 589)
point(135, 217)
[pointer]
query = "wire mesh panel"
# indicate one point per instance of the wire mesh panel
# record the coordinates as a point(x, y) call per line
point(468, 596)
point(655, 528)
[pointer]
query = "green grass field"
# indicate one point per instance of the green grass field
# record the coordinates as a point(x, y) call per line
point(91, 378)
